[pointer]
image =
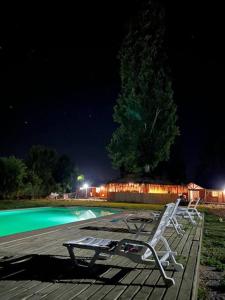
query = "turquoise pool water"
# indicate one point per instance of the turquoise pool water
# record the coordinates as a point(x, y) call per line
point(22, 220)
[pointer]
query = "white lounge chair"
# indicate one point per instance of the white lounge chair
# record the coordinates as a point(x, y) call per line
point(173, 220)
point(140, 223)
point(190, 211)
point(137, 251)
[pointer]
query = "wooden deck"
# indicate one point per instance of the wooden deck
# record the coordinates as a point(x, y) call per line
point(38, 267)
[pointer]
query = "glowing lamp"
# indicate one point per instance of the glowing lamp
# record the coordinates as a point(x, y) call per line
point(85, 186)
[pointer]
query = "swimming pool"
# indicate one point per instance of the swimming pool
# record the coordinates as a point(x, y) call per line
point(23, 220)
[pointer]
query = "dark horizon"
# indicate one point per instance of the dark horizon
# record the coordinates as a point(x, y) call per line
point(60, 80)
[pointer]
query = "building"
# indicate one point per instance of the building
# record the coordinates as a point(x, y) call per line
point(146, 191)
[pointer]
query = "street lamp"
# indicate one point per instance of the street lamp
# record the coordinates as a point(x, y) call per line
point(85, 186)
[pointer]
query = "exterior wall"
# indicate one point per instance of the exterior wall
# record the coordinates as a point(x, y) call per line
point(202, 194)
point(214, 196)
point(126, 187)
point(142, 197)
point(145, 188)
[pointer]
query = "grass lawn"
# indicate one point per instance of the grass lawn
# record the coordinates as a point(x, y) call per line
point(212, 271)
point(213, 248)
point(11, 204)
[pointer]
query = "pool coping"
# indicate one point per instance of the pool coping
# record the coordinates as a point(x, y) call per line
point(36, 232)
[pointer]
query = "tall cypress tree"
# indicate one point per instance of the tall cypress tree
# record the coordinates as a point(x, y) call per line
point(145, 110)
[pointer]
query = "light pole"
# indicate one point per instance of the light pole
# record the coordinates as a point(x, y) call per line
point(85, 186)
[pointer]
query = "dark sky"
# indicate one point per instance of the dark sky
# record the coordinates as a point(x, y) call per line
point(59, 78)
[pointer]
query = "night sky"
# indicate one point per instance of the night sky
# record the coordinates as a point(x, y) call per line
point(59, 77)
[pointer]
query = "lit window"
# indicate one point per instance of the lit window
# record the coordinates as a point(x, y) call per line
point(215, 194)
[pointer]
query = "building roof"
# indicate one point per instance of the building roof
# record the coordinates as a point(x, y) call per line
point(194, 186)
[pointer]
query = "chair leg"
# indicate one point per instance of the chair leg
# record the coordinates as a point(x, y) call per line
point(72, 255)
point(190, 217)
point(94, 258)
point(139, 230)
point(177, 266)
point(178, 227)
point(128, 226)
point(198, 213)
point(168, 280)
point(136, 227)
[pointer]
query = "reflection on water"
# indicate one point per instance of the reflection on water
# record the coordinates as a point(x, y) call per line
point(105, 213)
point(85, 215)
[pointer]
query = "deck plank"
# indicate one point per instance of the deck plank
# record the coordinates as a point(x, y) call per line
point(115, 278)
point(189, 272)
point(102, 292)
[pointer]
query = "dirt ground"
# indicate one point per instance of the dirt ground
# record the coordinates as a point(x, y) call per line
point(209, 281)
